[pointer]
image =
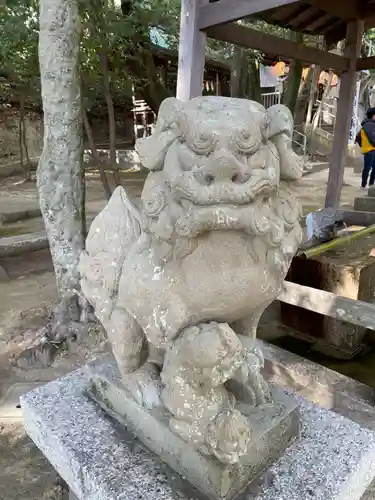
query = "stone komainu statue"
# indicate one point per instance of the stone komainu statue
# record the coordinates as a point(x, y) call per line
point(174, 281)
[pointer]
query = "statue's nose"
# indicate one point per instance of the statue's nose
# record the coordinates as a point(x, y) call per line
point(221, 166)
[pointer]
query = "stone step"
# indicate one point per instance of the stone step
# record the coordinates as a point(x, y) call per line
point(15, 168)
point(23, 243)
point(320, 385)
point(333, 459)
point(314, 166)
point(18, 215)
point(364, 204)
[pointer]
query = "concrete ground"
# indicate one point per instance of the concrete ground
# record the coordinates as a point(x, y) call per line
point(24, 307)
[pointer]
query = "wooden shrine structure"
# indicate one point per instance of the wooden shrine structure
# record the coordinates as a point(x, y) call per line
point(334, 19)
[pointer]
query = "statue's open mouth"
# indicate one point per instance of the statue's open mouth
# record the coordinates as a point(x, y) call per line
point(223, 193)
point(200, 219)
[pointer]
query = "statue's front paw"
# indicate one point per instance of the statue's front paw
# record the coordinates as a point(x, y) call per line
point(256, 381)
point(255, 390)
point(261, 389)
point(145, 385)
point(228, 436)
point(248, 384)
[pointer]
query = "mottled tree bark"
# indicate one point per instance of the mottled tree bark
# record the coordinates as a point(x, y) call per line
point(59, 174)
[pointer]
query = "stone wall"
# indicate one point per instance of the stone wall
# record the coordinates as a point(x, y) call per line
point(9, 136)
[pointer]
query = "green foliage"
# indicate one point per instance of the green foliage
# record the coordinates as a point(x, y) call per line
point(19, 71)
point(105, 32)
point(370, 34)
point(119, 36)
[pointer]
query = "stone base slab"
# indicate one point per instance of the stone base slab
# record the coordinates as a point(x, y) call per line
point(334, 459)
point(274, 426)
point(364, 203)
point(342, 353)
point(323, 346)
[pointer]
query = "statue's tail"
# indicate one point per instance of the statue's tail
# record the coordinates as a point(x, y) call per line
point(112, 233)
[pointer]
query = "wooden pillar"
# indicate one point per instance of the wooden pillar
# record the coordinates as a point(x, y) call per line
point(348, 78)
point(191, 53)
point(217, 84)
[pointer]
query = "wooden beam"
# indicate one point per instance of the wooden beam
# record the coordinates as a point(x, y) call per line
point(339, 8)
point(23, 243)
point(335, 33)
point(344, 113)
point(319, 23)
point(306, 16)
point(369, 23)
point(191, 52)
point(283, 15)
point(326, 303)
point(273, 45)
point(368, 15)
point(366, 63)
point(226, 11)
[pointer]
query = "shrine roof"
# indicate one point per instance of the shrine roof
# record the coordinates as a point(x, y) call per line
point(321, 17)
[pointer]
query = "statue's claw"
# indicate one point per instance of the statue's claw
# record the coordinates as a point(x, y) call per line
point(145, 385)
point(248, 384)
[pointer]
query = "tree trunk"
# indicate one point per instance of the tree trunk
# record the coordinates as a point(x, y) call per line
point(303, 100)
point(20, 144)
point(312, 96)
point(254, 92)
point(83, 204)
point(321, 104)
point(142, 67)
point(244, 80)
point(59, 174)
point(111, 116)
point(235, 75)
point(23, 140)
point(95, 155)
point(294, 78)
point(140, 62)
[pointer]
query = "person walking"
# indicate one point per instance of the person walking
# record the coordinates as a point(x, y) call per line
point(366, 141)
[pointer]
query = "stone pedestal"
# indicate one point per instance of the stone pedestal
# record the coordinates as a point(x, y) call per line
point(365, 203)
point(274, 427)
point(349, 272)
point(334, 459)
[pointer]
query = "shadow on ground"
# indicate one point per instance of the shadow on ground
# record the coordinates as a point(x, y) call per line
point(24, 472)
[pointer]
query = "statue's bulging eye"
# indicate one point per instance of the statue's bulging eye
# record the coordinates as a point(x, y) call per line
point(200, 141)
point(247, 141)
point(202, 144)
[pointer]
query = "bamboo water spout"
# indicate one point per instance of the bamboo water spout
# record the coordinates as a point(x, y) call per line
point(338, 242)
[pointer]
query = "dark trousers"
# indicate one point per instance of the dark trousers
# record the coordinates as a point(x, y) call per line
point(369, 166)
